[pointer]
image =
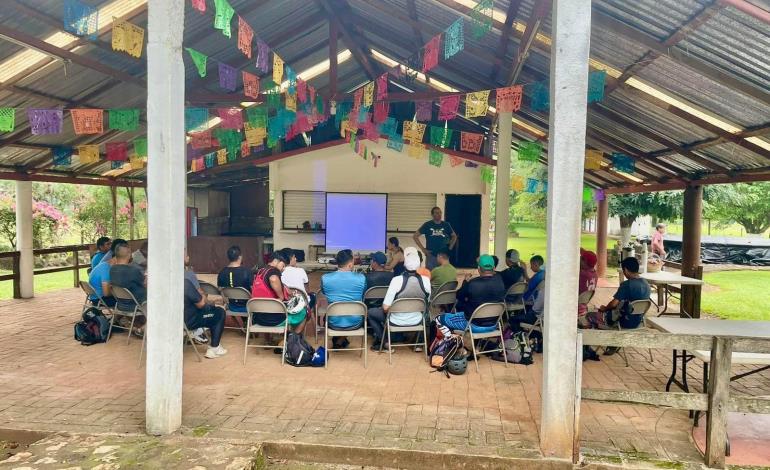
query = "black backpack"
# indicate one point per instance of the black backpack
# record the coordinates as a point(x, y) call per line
point(298, 352)
point(93, 328)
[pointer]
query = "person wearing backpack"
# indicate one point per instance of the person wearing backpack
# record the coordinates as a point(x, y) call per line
point(407, 285)
point(268, 285)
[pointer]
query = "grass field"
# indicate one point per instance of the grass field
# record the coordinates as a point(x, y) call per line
point(43, 282)
point(532, 241)
point(737, 295)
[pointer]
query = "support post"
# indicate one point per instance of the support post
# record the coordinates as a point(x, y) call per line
point(131, 212)
point(719, 401)
point(691, 236)
point(114, 199)
point(24, 239)
point(166, 217)
point(503, 185)
point(566, 146)
point(602, 218)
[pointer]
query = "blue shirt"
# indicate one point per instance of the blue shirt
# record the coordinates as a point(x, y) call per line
point(534, 281)
point(344, 286)
point(101, 273)
point(96, 259)
point(629, 291)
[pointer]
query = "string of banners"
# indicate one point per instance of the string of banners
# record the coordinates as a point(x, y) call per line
point(82, 20)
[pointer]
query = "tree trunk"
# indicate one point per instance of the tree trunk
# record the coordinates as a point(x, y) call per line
point(625, 229)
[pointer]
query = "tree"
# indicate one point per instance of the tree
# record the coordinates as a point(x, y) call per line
point(48, 222)
point(664, 205)
point(747, 204)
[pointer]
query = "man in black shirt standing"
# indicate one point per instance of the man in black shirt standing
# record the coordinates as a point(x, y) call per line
point(235, 275)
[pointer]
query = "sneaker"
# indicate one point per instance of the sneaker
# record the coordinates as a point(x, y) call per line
point(213, 353)
point(610, 350)
point(418, 349)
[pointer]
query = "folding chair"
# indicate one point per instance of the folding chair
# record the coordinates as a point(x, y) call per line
point(516, 291)
point(188, 339)
point(235, 293)
point(90, 291)
point(449, 285)
point(125, 295)
point(638, 307)
point(339, 309)
point(375, 293)
point(444, 298)
point(260, 307)
point(488, 310)
point(406, 305)
point(211, 290)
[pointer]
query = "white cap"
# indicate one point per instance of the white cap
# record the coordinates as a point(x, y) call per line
point(411, 258)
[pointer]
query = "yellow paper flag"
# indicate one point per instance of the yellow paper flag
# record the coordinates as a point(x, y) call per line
point(593, 159)
point(88, 153)
point(255, 136)
point(369, 94)
point(127, 37)
point(291, 102)
point(476, 103)
point(277, 69)
point(414, 131)
point(221, 156)
point(415, 150)
point(517, 183)
point(137, 163)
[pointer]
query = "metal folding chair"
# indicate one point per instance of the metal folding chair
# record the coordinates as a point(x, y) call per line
point(449, 285)
point(339, 309)
point(375, 293)
point(230, 294)
point(125, 295)
point(516, 293)
point(638, 307)
point(90, 291)
point(256, 307)
point(188, 339)
point(406, 305)
point(488, 310)
point(211, 290)
point(442, 299)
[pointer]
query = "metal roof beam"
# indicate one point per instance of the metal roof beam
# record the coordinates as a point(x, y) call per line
point(540, 11)
point(353, 41)
point(412, 9)
point(748, 8)
point(505, 38)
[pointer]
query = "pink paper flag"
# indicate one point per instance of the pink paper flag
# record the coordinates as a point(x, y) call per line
point(381, 109)
point(301, 90)
point(448, 106)
point(245, 37)
point(382, 86)
point(508, 99)
point(358, 95)
point(200, 140)
point(430, 54)
point(423, 110)
point(471, 142)
point(455, 161)
point(232, 118)
point(250, 85)
point(117, 151)
point(199, 5)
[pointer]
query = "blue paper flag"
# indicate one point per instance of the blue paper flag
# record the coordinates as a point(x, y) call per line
point(544, 187)
point(195, 119)
point(623, 163)
point(539, 97)
point(343, 110)
point(291, 76)
point(532, 184)
point(62, 156)
point(81, 19)
point(388, 126)
point(396, 142)
point(596, 85)
point(454, 39)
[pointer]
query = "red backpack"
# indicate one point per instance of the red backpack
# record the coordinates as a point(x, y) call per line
point(261, 287)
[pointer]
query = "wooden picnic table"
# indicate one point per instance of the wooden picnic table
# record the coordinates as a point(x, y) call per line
point(663, 280)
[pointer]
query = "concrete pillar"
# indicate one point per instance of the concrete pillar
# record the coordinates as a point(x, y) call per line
point(24, 239)
point(503, 185)
point(691, 237)
point(114, 199)
point(131, 213)
point(602, 218)
point(566, 149)
point(166, 217)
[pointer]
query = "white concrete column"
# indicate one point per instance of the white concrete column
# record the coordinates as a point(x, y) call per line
point(566, 149)
point(24, 239)
point(503, 185)
point(166, 216)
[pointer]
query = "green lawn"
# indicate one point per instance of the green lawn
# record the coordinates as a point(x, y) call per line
point(44, 283)
point(737, 295)
point(532, 241)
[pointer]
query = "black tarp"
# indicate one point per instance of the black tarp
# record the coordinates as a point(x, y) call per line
point(723, 250)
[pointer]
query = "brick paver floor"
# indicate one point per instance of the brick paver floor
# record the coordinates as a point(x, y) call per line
point(50, 382)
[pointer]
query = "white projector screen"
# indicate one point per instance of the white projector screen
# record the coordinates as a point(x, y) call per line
point(356, 221)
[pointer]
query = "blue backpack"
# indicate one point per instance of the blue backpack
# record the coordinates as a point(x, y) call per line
point(93, 328)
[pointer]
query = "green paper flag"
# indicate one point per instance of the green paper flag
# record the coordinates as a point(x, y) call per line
point(140, 147)
point(435, 158)
point(257, 116)
point(319, 104)
point(487, 174)
point(440, 137)
point(199, 59)
point(7, 119)
point(124, 119)
point(223, 16)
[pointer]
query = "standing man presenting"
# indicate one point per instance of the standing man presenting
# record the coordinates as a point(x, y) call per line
point(438, 235)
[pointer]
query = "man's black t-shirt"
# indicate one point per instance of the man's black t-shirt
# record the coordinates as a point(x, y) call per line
point(378, 278)
point(512, 275)
point(129, 277)
point(477, 291)
point(236, 277)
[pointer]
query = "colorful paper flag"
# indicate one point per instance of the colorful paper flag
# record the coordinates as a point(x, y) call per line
point(263, 56)
point(45, 121)
point(137, 163)
point(127, 37)
point(532, 185)
point(62, 156)
point(117, 151)
point(481, 18)
point(430, 53)
point(440, 136)
point(476, 104)
point(7, 119)
point(125, 119)
point(199, 59)
point(245, 37)
point(415, 150)
point(257, 116)
point(223, 16)
point(81, 19)
point(530, 151)
point(194, 118)
point(382, 86)
point(544, 186)
point(87, 121)
point(596, 81)
point(227, 76)
point(388, 126)
point(471, 142)
point(623, 163)
point(245, 149)
point(448, 106)
point(277, 69)
point(517, 183)
point(423, 110)
point(232, 118)
point(358, 97)
point(538, 96)
point(381, 110)
point(588, 194)
point(454, 39)
point(455, 161)
point(250, 84)
point(255, 136)
point(140, 147)
point(508, 99)
point(487, 174)
point(199, 5)
point(594, 159)
point(435, 158)
point(88, 153)
point(290, 101)
point(221, 156)
point(200, 140)
point(396, 142)
point(599, 195)
point(470, 164)
point(413, 131)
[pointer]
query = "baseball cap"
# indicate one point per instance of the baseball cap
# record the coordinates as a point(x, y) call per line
point(379, 257)
point(486, 262)
point(589, 257)
point(513, 256)
point(411, 259)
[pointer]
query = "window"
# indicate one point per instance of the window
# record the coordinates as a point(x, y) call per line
point(406, 212)
point(303, 206)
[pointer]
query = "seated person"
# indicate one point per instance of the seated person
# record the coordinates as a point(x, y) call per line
point(103, 245)
point(114, 246)
point(294, 277)
point(530, 314)
point(516, 271)
point(99, 279)
point(235, 275)
point(487, 287)
point(139, 257)
point(198, 315)
point(126, 275)
point(587, 282)
point(407, 285)
point(344, 285)
point(536, 264)
point(422, 270)
point(377, 276)
point(267, 285)
point(444, 272)
point(395, 257)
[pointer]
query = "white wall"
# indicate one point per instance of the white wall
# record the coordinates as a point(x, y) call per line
point(641, 227)
point(340, 169)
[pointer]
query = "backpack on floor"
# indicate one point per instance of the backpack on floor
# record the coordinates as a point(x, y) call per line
point(299, 353)
point(444, 349)
point(517, 350)
point(93, 328)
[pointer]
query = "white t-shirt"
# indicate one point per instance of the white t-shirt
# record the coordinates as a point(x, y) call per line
point(294, 278)
point(403, 319)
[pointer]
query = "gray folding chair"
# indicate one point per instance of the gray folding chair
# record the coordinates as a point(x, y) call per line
point(442, 299)
point(125, 295)
point(375, 293)
point(488, 310)
point(311, 314)
point(339, 309)
point(449, 285)
point(91, 292)
point(256, 307)
point(515, 293)
point(235, 293)
point(406, 305)
point(638, 308)
point(211, 290)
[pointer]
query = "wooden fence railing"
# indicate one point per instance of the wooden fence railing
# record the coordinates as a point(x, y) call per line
point(717, 402)
point(75, 267)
